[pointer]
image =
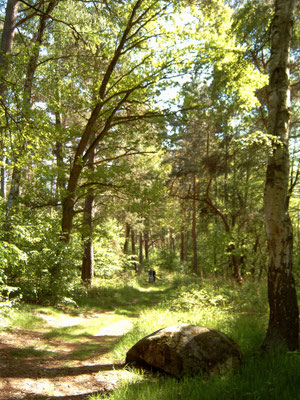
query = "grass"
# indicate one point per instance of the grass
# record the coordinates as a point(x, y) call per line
point(88, 328)
point(240, 312)
point(273, 378)
point(25, 319)
point(123, 297)
point(30, 351)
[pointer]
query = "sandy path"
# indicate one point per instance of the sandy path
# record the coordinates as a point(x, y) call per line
point(58, 374)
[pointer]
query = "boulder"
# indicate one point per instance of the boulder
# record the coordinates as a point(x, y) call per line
point(185, 350)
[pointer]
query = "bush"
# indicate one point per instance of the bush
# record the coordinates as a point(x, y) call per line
point(38, 262)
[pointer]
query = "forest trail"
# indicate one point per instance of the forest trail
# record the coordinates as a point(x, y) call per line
point(34, 366)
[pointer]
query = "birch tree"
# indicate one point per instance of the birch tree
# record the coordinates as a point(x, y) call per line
point(283, 325)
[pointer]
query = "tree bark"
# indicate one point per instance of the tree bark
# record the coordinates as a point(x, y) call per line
point(6, 47)
point(133, 250)
point(58, 151)
point(7, 41)
point(182, 236)
point(141, 256)
point(146, 243)
point(182, 243)
point(127, 236)
point(194, 228)
point(283, 328)
point(236, 265)
point(87, 269)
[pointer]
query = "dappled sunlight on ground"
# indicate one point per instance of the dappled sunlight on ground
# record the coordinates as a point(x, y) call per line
point(34, 366)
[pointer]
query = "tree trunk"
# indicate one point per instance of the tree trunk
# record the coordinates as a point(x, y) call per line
point(194, 228)
point(7, 40)
point(87, 269)
point(283, 328)
point(182, 243)
point(182, 236)
point(141, 256)
point(133, 250)
point(146, 243)
point(236, 264)
point(2, 185)
point(127, 236)
point(6, 47)
point(68, 203)
point(58, 151)
point(11, 202)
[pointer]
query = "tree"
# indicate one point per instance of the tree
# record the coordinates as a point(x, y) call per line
point(7, 39)
point(87, 269)
point(283, 328)
point(124, 83)
point(38, 37)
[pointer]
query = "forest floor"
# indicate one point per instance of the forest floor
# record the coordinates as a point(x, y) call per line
point(37, 366)
point(78, 353)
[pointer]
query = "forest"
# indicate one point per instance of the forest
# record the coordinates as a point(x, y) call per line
point(140, 136)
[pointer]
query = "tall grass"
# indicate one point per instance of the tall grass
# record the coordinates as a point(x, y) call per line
point(275, 377)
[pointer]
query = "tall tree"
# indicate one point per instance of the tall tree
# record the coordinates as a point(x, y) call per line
point(7, 39)
point(38, 37)
point(6, 45)
point(123, 83)
point(283, 328)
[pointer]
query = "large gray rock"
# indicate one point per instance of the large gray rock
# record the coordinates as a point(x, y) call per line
point(186, 350)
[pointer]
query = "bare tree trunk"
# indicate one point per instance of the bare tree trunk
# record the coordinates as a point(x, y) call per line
point(194, 228)
point(146, 243)
point(7, 40)
point(182, 236)
point(182, 243)
point(283, 328)
point(141, 256)
point(236, 264)
point(133, 250)
point(2, 185)
point(127, 236)
point(87, 269)
point(58, 151)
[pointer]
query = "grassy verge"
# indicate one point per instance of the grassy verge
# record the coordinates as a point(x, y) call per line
point(240, 312)
point(275, 377)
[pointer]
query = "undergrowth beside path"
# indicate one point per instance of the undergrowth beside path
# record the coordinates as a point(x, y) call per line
point(78, 352)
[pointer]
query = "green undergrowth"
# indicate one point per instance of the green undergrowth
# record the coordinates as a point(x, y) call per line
point(274, 377)
point(23, 318)
point(240, 312)
point(123, 295)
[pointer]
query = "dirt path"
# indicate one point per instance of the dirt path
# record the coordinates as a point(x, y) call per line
point(35, 367)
